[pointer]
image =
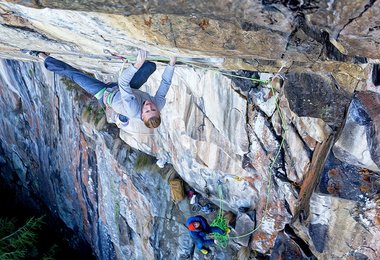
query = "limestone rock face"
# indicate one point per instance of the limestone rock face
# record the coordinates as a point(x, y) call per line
point(359, 141)
point(338, 233)
point(349, 23)
point(86, 177)
point(315, 96)
point(260, 151)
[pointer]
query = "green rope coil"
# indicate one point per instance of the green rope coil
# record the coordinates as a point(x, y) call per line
point(221, 223)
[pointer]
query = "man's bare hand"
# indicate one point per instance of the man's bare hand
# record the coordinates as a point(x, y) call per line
point(140, 59)
point(172, 61)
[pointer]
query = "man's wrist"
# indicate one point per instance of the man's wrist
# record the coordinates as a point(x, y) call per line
point(138, 65)
point(172, 61)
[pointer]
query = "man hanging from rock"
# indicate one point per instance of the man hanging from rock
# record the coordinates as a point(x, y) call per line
point(123, 97)
point(199, 229)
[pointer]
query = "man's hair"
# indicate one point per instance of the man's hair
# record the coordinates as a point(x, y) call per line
point(153, 122)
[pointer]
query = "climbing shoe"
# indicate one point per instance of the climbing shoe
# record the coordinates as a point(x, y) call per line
point(204, 251)
point(228, 230)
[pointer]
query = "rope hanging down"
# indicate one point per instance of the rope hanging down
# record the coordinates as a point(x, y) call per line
point(219, 220)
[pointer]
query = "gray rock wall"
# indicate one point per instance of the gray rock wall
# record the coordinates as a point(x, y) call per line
point(216, 129)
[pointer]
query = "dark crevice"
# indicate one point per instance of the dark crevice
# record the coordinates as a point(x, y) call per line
point(246, 162)
point(260, 143)
point(331, 51)
point(249, 26)
point(323, 38)
point(27, 29)
point(290, 37)
point(302, 244)
point(172, 34)
point(281, 176)
point(294, 5)
point(60, 121)
point(38, 4)
point(305, 145)
point(314, 33)
point(244, 84)
point(287, 207)
point(359, 60)
point(376, 74)
point(366, 7)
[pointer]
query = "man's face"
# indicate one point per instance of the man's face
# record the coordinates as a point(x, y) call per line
point(196, 224)
point(149, 110)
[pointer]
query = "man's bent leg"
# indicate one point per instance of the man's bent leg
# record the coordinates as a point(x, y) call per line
point(88, 83)
point(142, 75)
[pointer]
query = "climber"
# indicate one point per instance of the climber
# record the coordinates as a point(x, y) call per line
point(122, 97)
point(199, 229)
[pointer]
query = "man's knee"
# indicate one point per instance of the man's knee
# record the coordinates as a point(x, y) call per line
point(150, 66)
point(55, 65)
point(199, 244)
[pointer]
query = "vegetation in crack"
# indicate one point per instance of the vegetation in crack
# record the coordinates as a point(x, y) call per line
point(93, 114)
point(145, 162)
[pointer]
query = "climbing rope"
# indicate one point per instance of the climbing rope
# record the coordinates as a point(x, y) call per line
point(191, 64)
point(126, 59)
point(220, 221)
point(284, 129)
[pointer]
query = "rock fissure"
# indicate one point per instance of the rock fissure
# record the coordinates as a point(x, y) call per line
point(366, 8)
point(23, 29)
point(218, 128)
point(302, 244)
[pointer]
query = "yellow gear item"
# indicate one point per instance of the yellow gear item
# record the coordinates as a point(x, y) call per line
point(238, 178)
point(204, 251)
point(228, 230)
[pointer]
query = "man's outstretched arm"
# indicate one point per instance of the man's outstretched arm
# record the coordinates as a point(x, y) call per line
point(129, 99)
point(127, 75)
point(165, 82)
